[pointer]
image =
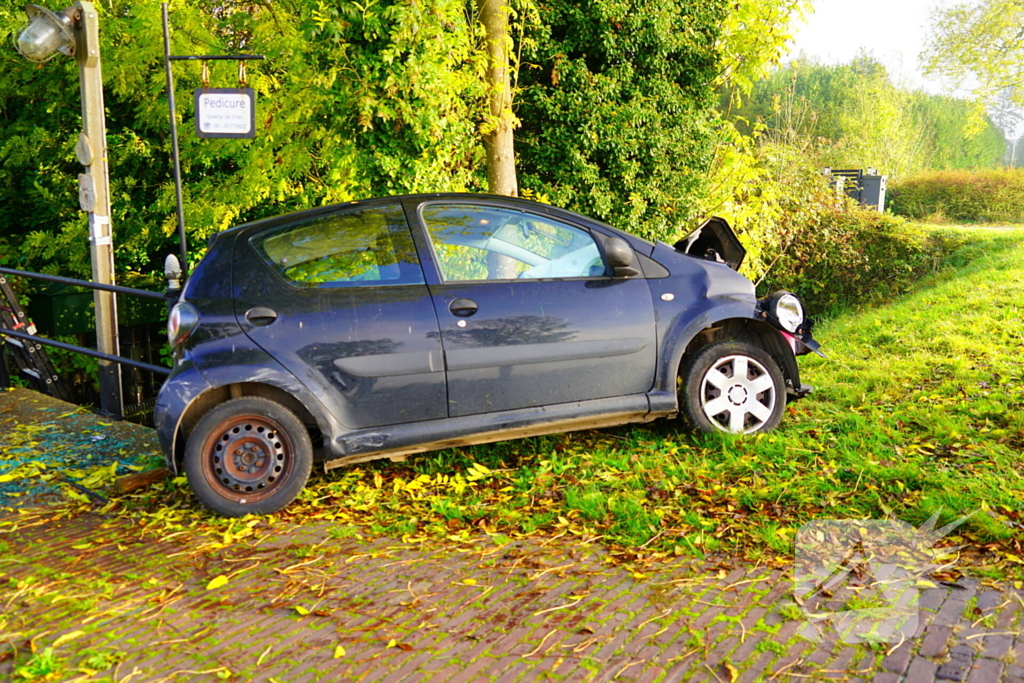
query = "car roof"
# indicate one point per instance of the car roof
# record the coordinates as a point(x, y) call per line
point(513, 202)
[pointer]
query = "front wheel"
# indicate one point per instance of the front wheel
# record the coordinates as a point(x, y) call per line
point(248, 455)
point(732, 386)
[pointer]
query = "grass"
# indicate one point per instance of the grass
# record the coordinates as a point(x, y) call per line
point(918, 410)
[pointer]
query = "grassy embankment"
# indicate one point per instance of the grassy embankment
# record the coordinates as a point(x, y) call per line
point(918, 409)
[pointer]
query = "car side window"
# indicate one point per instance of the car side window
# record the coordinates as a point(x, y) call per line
point(369, 247)
point(490, 243)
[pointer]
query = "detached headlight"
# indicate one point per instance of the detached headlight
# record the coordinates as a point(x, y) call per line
point(786, 309)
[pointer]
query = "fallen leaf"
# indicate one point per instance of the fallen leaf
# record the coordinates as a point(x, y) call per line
point(66, 637)
point(217, 582)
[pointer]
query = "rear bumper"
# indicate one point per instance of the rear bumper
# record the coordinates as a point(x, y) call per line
point(183, 386)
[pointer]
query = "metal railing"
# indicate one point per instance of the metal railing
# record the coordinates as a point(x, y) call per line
point(120, 360)
point(143, 293)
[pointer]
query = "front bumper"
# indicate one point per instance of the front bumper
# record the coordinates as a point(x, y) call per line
point(797, 394)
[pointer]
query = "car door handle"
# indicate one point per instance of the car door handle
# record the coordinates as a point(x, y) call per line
point(261, 315)
point(462, 308)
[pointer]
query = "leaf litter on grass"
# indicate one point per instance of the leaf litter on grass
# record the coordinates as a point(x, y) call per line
point(918, 411)
point(62, 453)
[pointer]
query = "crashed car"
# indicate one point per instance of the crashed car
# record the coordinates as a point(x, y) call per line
point(384, 328)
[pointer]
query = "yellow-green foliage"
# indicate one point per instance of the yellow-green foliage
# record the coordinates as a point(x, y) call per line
point(863, 118)
point(990, 196)
point(801, 236)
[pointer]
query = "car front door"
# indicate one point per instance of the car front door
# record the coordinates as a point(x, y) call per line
point(340, 300)
point(528, 315)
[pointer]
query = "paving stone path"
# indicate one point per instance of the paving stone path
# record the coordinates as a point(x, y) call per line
point(301, 604)
point(119, 599)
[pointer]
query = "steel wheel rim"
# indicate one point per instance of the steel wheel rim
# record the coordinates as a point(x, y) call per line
point(247, 458)
point(737, 394)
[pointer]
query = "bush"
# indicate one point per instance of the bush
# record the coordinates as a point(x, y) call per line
point(990, 196)
point(853, 255)
point(802, 237)
point(617, 109)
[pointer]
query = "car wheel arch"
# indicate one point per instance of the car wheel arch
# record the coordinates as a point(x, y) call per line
point(756, 332)
point(318, 427)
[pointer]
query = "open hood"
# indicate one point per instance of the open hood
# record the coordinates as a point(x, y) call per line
point(715, 241)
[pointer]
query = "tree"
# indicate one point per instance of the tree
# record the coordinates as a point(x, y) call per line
point(617, 109)
point(860, 118)
point(752, 40)
point(378, 98)
point(499, 122)
point(354, 101)
point(1009, 116)
point(979, 45)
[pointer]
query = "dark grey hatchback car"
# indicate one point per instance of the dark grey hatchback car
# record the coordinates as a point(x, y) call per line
point(395, 326)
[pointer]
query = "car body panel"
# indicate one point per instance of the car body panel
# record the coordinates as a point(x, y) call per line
point(536, 340)
point(534, 343)
point(697, 295)
point(714, 240)
point(372, 354)
point(362, 445)
point(183, 386)
point(385, 371)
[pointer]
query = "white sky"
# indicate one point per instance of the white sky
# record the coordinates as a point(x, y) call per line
point(893, 31)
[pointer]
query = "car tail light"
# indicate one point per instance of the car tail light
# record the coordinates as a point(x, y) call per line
point(183, 319)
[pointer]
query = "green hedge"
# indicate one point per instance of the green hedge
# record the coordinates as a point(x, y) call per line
point(854, 256)
point(988, 196)
point(803, 237)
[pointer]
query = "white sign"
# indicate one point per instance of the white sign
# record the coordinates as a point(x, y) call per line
point(225, 113)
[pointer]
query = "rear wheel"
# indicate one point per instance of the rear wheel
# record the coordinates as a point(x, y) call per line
point(732, 386)
point(248, 455)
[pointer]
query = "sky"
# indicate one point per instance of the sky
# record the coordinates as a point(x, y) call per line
point(893, 31)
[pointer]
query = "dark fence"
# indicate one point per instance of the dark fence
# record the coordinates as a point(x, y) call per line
point(32, 360)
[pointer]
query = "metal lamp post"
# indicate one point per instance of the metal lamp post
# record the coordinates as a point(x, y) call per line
point(75, 32)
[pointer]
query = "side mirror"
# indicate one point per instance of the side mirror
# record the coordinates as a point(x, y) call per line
point(618, 255)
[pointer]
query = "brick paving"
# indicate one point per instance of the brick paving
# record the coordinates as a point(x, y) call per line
point(300, 604)
point(120, 599)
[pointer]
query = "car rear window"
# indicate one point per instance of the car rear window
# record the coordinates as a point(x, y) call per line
point(369, 247)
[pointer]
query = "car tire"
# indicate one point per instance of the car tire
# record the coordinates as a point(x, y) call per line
point(248, 455)
point(734, 387)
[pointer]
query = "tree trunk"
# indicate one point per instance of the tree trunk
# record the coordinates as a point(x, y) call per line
point(501, 160)
point(497, 128)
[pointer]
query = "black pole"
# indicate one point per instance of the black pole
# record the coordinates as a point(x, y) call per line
point(143, 293)
point(157, 369)
point(5, 373)
point(182, 240)
point(214, 58)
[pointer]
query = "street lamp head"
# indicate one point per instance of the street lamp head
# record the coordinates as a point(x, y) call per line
point(46, 34)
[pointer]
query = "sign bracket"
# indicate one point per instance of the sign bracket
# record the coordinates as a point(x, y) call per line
point(175, 149)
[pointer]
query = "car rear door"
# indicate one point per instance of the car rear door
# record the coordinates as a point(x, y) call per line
point(339, 299)
point(527, 314)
